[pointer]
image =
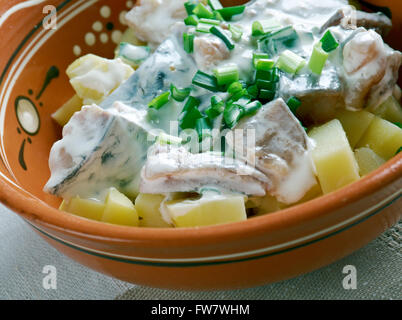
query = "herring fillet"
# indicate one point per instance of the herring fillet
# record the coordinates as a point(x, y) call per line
point(100, 149)
point(168, 64)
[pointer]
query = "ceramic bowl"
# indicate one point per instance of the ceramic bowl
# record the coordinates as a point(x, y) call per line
point(261, 250)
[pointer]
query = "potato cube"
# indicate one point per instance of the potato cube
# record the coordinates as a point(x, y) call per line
point(383, 137)
point(390, 110)
point(209, 210)
point(119, 209)
point(333, 158)
point(355, 124)
point(368, 160)
point(86, 208)
point(94, 78)
point(147, 206)
point(64, 113)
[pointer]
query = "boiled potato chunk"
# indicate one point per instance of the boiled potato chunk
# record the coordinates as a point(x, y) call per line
point(334, 160)
point(209, 210)
point(383, 137)
point(86, 208)
point(94, 78)
point(355, 124)
point(119, 209)
point(147, 206)
point(63, 115)
point(368, 160)
point(390, 110)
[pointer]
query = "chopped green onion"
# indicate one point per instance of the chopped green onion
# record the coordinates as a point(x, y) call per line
point(266, 94)
point(235, 87)
point(329, 42)
point(190, 6)
point(217, 16)
point(191, 103)
point(227, 74)
point(290, 62)
point(267, 85)
point(275, 74)
point(206, 81)
point(203, 27)
point(160, 101)
point(210, 21)
point(203, 128)
point(201, 11)
point(253, 91)
point(217, 103)
point(264, 64)
point(398, 124)
point(190, 114)
point(188, 42)
point(179, 94)
point(236, 31)
point(217, 107)
point(280, 40)
point(164, 138)
point(399, 151)
point(260, 28)
point(259, 55)
point(232, 114)
point(228, 12)
point(252, 108)
point(239, 94)
point(191, 20)
point(294, 104)
point(215, 4)
point(263, 75)
point(318, 59)
point(217, 31)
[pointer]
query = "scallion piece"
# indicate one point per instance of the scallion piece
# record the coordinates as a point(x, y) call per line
point(267, 85)
point(215, 4)
point(264, 64)
point(190, 114)
point(290, 62)
point(399, 124)
point(237, 32)
point(318, 59)
point(294, 104)
point(179, 94)
point(217, 16)
point(210, 21)
point(217, 31)
point(262, 27)
point(253, 91)
point(203, 128)
point(203, 27)
point(266, 94)
point(399, 151)
point(160, 101)
point(206, 81)
point(235, 87)
point(228, 12)
point(252, 108)
point(227, 74)
point(259, 55)
point(201, 11)
point(188, 42)
point(329, 42)
point(190, 5)
point(191, 103)
point(217, 107)
point(191, 20)
point(232, 114)
point(165, 138)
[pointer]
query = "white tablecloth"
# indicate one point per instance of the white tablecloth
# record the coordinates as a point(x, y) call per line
point(23, 255)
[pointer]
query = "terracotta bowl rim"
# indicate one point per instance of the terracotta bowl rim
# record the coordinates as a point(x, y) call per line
point(39, 211)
